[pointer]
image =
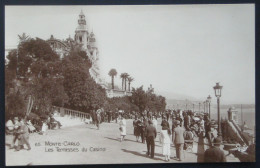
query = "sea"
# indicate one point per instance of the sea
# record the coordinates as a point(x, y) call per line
point(247, 115)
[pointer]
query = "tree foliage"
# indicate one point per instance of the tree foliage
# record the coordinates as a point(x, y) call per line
point(35, 70)
point(84, 94)
point(112, 73)
point(147, 100)
point(32, 69)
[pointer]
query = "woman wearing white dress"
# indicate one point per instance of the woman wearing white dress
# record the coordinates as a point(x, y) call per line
point(154, 122)
point(165, 140)
point(44, 128)
point(122, 127)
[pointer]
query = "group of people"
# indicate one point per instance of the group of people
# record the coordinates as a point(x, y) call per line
point(20, 132)
point(185, 127)
point(21, 127)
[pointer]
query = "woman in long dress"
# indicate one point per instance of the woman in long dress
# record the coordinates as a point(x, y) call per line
point(137, 128)
point(165, 140)
point(98, 118)
point(44, 128)
point(122, 127)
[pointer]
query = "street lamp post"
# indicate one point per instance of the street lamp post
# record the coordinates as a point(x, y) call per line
point(218, 89)
point(204, 105)
point(209, 100)
point(199, 107)
point(207, 109)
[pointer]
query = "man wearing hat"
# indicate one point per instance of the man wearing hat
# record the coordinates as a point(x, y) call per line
point(150, 133)
point(15, 133)
point(178, 140)
point(215, 154)
point(165, 124)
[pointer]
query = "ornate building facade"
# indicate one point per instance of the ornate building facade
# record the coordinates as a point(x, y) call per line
point(86, 41)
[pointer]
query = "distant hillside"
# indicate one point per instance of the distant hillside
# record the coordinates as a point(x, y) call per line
point(175, 96)
point(172, 103)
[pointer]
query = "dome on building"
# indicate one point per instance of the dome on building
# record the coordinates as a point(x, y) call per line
point(92, 34)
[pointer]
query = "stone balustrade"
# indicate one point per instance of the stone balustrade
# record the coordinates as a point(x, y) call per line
point(72, 114)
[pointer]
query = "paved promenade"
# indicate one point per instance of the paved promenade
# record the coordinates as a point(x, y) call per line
point(84, 144)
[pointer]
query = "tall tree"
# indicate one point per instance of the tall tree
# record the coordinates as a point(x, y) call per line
point(139, 98)
point(112, 73)
point(83, 92)
point(122, 76)
point(130, 79)
point(23, 37)
point(38, 65)
point(126, 76)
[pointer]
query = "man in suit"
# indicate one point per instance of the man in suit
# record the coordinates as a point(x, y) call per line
point(144, 125)
point(150, 133)
point(215, 154)
point(178, 140)
point(174, 125)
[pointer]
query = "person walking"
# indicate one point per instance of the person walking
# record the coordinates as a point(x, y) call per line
point(23, 136)
point(144, 125)
point(178, 140)
point(167, 115)
point(17, 125)
point(179, 118)
point(186, 121)
point(215, 154)
point(137, 131)
point(109, 116)
point(165, 140)
point(154, 120)
point(150, 133)
point(174, 125)
point(98, 118)
point(122, 127)
point(165, 123)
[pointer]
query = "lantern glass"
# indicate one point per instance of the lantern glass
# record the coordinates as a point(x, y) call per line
point(217, 89)
point(209, 99)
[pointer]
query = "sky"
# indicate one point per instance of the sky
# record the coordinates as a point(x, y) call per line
point(179, 49)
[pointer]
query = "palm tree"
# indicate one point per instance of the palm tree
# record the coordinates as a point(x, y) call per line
point(130, 79)
point(112, 73)
point(23, 37)
point(126, 77)
point(123, 78)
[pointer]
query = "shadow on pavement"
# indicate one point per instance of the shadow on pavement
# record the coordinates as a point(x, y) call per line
point(113, 139)
point(139, 154)
point(127, 140)
point(161, 155)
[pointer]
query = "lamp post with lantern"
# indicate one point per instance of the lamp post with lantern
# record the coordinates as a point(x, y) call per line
point(218, 89)
point(204, 103)
point(209, 101)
